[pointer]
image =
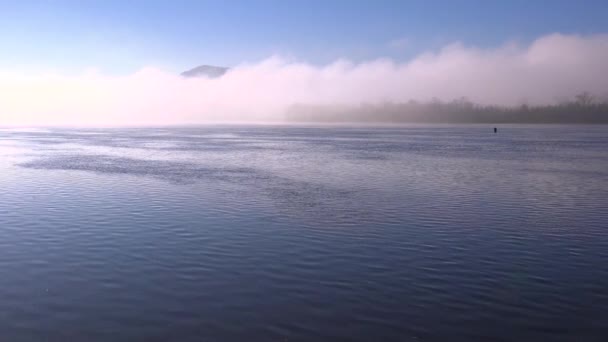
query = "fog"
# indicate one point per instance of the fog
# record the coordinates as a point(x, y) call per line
point(546, 71)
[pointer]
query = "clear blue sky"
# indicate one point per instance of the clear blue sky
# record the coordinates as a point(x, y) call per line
point(122, 35)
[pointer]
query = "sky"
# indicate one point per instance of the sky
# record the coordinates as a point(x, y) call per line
point(112, 62)
point(119, 36)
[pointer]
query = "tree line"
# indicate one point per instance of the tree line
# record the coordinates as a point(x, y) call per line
point(581, 109)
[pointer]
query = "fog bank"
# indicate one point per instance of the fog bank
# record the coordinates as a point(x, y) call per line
point(549, 70)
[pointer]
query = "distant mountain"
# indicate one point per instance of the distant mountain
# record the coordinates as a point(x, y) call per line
point(209, 71)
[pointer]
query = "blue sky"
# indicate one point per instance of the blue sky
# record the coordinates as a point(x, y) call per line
point(123, 35)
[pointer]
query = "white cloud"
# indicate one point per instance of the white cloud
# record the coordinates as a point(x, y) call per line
point(552, 67)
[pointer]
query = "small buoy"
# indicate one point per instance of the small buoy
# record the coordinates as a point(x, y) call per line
point(495, 130)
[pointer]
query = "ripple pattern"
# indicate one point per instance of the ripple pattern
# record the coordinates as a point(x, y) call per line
point(280, 233)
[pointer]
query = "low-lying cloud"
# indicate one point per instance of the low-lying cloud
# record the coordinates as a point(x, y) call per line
point(549, 69)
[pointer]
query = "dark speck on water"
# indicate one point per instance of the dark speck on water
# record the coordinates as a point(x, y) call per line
point(270, 233)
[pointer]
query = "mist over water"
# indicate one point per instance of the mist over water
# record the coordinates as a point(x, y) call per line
point(548, 70)
point(296, 171)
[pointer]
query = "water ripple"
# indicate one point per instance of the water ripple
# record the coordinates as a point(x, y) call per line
point(304, 233)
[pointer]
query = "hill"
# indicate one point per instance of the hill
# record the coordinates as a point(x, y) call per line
point(209, 71)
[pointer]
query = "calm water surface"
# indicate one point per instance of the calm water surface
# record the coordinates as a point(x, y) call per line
point(277, 233)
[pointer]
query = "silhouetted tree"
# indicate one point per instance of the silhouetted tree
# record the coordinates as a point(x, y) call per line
point(583, 109)
point(584, 99)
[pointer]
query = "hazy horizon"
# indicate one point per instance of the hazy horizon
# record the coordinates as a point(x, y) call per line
point(318, 170)
point(549, 70)
point(116, 63)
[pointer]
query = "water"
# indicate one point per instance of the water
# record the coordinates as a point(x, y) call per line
point(274, 233)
